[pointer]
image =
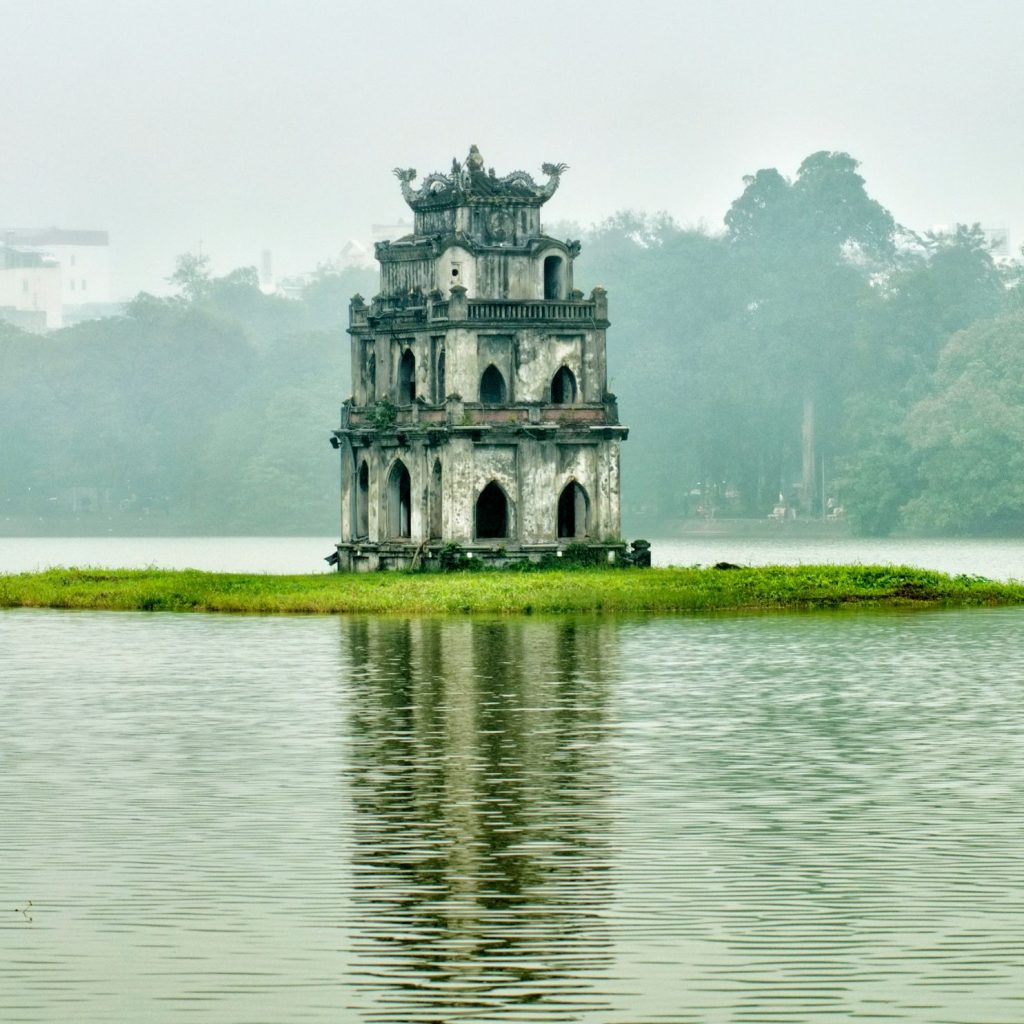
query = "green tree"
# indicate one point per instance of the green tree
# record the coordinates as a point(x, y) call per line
point(191, 275)
point(969, 434)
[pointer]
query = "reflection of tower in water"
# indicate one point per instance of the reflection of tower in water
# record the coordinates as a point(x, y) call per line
point(480, 783)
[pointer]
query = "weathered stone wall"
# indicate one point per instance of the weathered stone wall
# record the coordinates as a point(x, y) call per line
point(492, 272)
point(531, 472)
point(399, 277)
point(527, 357)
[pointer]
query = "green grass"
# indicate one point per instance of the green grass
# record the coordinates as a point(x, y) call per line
point(556, 591)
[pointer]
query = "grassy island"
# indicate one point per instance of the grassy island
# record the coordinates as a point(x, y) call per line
point(506, 592)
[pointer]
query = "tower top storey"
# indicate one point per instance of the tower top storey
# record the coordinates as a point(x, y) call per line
point(474, 201)
point(476, 231)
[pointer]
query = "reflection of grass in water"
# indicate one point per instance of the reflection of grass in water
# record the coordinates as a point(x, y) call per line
point(578, 590)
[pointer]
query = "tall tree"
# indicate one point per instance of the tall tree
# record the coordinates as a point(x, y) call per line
point(807, 248)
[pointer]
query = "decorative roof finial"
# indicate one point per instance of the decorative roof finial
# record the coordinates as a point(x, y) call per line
point(472, 182)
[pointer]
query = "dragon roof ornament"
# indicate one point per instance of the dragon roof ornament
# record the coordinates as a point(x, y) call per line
point(469, 180)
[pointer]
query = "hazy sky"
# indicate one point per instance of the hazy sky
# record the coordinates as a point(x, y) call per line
point(252, 124)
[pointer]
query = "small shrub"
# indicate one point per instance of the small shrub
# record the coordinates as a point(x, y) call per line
point(452, 557)
point(385, 413)
point(583, 555)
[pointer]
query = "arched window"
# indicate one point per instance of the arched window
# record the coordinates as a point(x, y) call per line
point(563, 387)
point(553, 278)
point(407, 378)
point(363, 500)
point(399, 502)
point(573, 511)
point(439, 392)
point(371, 377)
point(491, 512)
point(492, 386)
point(435, 501)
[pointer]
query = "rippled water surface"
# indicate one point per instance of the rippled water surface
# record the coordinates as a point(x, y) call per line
point(791, 818)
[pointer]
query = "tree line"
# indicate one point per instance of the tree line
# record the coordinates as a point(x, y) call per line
point(208, 412)
point(814, 354)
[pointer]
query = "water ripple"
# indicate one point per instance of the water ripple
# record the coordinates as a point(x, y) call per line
point(793, 818)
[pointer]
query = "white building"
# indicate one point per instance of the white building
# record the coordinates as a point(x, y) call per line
point(30, 289)
point(83, 256)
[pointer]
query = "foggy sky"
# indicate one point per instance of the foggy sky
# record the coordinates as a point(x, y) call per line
point(252, 124)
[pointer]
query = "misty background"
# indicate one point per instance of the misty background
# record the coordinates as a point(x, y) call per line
point(787, 321)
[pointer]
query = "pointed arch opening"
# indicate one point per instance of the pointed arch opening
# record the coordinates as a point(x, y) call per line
point(573, 511)
point(435, 501)
point(363, 500)
point(407, 378)
point(492, 386)
point(492, 513)
point(439, 390)
point(398, 515)
point(563, 387)
point(554, 278)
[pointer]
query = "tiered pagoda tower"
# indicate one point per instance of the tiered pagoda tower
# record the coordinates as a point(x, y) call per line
point(480, 412)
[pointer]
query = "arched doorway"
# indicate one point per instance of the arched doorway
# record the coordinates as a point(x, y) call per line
point(553, 288)
point(492, 386)
point(491, 513)
point(563, 387)
point(435, 501)
point(399, 502)
point(407, 378)
point(363, 500)
point(573, 511)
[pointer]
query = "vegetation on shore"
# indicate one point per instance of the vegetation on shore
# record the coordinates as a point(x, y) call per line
point(504, 592)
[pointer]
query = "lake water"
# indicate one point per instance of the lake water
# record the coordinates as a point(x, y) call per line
point(997, 559)
point(788, 818)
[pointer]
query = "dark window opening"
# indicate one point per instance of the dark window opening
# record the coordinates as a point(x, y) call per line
point(407, 378)
point(563, 387)
point(439, 396)
point(371, 378)
point(573, 509)
point(363, 501)
point(491, 512)
point(492, 386)
point(399, 498)
point(553, 278)
point(435, 501)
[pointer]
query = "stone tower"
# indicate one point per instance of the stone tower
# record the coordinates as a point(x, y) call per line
point(480, 412)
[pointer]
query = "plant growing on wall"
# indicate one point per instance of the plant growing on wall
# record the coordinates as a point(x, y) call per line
point(385, 413)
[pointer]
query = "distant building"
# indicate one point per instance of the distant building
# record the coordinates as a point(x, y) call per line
point(267, 283)
point(354, 255)
point(84, 261)
point(30, 289)
point(390, 232)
